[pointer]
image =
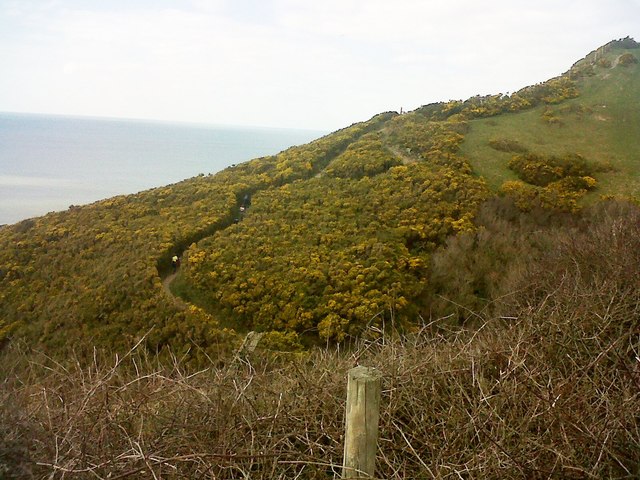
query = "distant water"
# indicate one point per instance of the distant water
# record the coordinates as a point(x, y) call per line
point(48, 163)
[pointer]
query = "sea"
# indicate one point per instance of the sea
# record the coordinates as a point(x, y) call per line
point(49, 162)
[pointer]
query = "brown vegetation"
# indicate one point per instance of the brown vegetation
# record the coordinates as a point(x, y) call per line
point(546, 387)
point(507, 331)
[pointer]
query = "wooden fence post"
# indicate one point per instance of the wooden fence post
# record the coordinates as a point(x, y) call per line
point(249, 344)
point(361, 422)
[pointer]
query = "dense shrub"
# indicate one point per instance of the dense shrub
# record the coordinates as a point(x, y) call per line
point(366, 157)
point(331, 256)
point(541, 170)
point(553, 91)
point(473, 270)
point(92, 274)
point(547, 387)
point(583, 70)
point(627, 59)
point(507, 145)
point(553, 197)
point(604, 63)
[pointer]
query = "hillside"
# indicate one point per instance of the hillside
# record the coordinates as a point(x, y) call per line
point(602, 124)
point(352, 249)
point(482, 254)
point(340, 233)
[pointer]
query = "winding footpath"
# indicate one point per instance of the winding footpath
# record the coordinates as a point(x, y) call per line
point(166, 286)
point(237, 214)
point(250, 342)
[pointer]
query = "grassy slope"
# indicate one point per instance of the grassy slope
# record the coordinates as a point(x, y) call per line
point(546, 389)
point(602, 124)
point(549, 391)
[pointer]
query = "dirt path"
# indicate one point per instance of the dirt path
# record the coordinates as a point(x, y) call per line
point(404, 155)
point(166, 286)
point(406, 158)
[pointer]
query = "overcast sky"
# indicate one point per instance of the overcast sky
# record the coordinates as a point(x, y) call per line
point(316, 64)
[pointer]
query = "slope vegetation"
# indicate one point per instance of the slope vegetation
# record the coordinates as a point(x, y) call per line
point(92, 274)
point(602, 124)
point(344, 235)
point(503, 313)
point(550, 392)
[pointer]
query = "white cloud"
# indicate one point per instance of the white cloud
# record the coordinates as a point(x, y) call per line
point(286, 62)
point(37, 182)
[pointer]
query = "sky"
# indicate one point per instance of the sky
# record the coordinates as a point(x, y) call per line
point(310, 64)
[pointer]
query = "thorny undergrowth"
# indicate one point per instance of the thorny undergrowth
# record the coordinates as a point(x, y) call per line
point(508, 402)
point(550, 391)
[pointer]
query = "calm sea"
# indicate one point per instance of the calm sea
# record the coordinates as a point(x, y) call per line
point(48, 163)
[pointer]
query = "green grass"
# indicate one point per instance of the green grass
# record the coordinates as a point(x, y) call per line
point(602, 124)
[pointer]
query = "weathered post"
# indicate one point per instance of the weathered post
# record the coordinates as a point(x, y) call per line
point(361, 425)
point(249, 344)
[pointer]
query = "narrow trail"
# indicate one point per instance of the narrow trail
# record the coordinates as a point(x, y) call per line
point(251, 340)
point(236, 215)
point(248, 345)
point(166, 286)
point(406, 158)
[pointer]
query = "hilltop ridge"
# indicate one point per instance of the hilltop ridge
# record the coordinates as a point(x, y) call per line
point(601, 125)
point(341, 233)
point(482, 254)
